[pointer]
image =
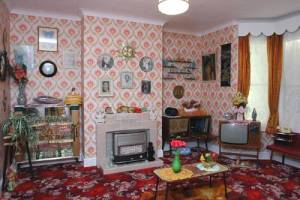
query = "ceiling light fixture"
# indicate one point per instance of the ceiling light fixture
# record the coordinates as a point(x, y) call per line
point(173, 7)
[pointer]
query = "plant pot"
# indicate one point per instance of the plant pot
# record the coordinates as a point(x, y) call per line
point(19, 156)
point(176, 163)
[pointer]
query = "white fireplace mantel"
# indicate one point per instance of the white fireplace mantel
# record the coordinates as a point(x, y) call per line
point(121, 122)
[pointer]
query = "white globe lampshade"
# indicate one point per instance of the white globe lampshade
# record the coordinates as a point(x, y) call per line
point(173, 7)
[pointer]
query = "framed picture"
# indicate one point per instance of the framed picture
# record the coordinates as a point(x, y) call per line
point(146, 87)
point(126, 80)
point(48, 39)
point(106, 88)
point(225, 65)
point(24, 54)
point(208, 67)
point(146, 64)
point(69, 59)
point(105, 62)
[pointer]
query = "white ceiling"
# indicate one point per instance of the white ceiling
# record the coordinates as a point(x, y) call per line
point(203, 15)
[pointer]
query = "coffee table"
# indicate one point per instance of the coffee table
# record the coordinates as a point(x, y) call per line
point(196, 173)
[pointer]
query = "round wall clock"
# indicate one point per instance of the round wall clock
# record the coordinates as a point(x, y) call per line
point(105, 62)
point(146, 64)
point(48, 68)
point(178, 92)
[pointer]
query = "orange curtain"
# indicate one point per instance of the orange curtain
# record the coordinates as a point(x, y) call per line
point(275, 58)
point(244, 66)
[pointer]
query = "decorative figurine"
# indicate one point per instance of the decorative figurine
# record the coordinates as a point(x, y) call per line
point(254, 114)
point(202, 158)
point(100, 117)
point(150, 152)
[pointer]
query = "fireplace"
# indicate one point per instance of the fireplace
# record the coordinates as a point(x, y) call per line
point(122, 139)
point(129, 146)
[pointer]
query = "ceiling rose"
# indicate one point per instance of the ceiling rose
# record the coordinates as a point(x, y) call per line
point(173, 7)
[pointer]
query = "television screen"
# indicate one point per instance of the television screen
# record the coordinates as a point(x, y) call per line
point(234, 133)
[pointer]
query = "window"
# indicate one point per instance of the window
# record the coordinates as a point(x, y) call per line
point(289, 102)
point(258, 94)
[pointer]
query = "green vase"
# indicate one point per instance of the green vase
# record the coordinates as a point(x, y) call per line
point(176, 163)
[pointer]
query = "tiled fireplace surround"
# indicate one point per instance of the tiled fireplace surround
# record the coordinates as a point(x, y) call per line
point(118, 122)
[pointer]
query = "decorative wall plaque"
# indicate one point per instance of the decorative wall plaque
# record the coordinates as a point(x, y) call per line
point(178, 92)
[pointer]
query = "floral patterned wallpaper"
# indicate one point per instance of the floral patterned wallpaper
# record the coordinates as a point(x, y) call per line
point(214, 98)
point(4, 86)
point(103, 35)
point(24, 31)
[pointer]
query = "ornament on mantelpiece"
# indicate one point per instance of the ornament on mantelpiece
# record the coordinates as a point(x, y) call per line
point(100, 117)
point(254, 114)
point(151, 152)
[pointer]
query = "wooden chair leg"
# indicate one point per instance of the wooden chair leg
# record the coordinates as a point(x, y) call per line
point(271, 156)
point(283, 158)
point(6, 149)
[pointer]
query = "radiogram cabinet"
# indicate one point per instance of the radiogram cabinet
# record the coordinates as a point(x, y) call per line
point(186, 128)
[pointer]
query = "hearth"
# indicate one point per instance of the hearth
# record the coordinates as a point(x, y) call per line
point(129, 146)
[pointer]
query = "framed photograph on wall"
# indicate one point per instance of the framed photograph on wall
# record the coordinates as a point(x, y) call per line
point(24, 54)
point(48, 39)
point(225, 65)
point(146, 87)
point(69, 59)
point(106, 88)
point(209, 67)
point(126, 80)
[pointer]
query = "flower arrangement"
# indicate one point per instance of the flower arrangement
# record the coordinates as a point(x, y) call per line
point(177, 144)
point(19, 73)
point(239, 100)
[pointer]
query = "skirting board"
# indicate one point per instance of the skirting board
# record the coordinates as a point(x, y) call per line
point(89, 162)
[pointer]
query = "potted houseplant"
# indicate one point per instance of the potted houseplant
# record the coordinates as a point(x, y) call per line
point(18, 131)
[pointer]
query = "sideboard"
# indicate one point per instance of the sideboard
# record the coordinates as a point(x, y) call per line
point(186, 128)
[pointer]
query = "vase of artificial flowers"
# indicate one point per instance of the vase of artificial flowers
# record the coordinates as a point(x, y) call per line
point(19, 74)
point(176, 163)
point(239, 102)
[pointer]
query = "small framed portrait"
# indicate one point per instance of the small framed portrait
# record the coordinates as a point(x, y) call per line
point(146, 64)
point(208, 67)
point(105, 62)
point(146, 87)
point(126, 80)
point(106, 88)
point(48, 39)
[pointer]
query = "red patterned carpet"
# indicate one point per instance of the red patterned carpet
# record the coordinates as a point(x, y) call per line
point(73, 181)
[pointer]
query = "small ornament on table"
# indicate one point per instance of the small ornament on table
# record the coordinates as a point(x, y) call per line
point(254, 114)
point(151, 152)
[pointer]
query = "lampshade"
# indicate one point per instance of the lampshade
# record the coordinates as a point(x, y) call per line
point(173, 7)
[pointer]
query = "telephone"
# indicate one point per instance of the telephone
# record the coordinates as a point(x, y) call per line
point(284, 129)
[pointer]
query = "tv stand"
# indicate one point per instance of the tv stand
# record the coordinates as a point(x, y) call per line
point(254, 142)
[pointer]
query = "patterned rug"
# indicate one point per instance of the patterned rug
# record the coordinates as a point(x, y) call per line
point(73, 181)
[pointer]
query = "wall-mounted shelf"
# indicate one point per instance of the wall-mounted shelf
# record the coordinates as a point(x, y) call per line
point(178, 67)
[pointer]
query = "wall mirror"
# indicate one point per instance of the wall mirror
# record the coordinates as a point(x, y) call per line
point(48, 68)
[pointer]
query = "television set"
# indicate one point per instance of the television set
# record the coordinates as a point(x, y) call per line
point(234, 132)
